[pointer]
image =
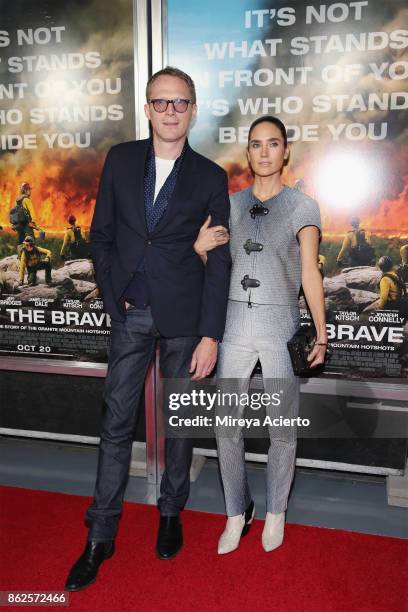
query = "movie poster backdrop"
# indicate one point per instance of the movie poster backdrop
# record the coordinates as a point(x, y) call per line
point(336, 74)
point(66, 96)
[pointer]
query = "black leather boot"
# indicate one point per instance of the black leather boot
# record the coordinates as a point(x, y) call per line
point(170, 537)
point(85, 570)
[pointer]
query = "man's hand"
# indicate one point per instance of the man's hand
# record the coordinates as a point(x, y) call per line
point(204, 358)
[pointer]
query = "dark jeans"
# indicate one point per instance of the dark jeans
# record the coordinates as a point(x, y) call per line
point(132, 347)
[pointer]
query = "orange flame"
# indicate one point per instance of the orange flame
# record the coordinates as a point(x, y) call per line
point(65, 184)
point(61, 187)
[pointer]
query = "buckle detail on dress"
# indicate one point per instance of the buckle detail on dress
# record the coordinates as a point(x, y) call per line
point(250, 246)
point(258, 211)
point(249, 282)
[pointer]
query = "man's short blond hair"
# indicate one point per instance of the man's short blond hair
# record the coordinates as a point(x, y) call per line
point(174, 72)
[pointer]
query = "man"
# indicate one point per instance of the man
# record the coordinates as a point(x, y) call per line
point(22, 215)
point(32, 259)
point(6, 248)
point(74, 244)
point(321, 260)
point(356, 247)
point(393, 295)
point(404, 254)
point(153, 197)
point(403, 268)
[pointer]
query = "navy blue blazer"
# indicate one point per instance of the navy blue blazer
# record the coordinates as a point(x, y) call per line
point(186, 297)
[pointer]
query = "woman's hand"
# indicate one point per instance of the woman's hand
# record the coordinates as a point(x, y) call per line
point(317, 354)
point(209, 238)
point(312, 283)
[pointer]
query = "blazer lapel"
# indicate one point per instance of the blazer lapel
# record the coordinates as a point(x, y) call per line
point(184, 186)
point(136, 168)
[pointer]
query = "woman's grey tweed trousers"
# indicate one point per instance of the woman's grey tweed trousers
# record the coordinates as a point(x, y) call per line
point(260, 332)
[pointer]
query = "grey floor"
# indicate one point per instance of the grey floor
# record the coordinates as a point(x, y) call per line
point(337, 500)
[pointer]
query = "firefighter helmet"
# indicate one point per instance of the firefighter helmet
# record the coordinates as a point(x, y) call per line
point(25, 187)
point(385, 263)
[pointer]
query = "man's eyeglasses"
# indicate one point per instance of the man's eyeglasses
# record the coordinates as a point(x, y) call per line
point(179, 104)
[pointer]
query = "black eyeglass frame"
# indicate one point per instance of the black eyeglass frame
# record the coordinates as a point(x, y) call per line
point(173, 102)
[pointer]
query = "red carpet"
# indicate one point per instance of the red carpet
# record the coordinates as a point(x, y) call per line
point(316, 570)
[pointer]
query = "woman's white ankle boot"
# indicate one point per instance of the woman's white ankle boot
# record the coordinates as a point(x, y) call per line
point(272, 535)
point(236, 527)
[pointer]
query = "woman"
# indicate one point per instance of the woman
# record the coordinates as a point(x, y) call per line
point(275, 233)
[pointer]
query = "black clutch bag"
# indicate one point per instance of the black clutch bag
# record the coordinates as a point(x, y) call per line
point(299, 347)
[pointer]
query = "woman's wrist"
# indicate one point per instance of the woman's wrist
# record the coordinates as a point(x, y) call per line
point(199, 251)
point(201, 254)
point(321, 335)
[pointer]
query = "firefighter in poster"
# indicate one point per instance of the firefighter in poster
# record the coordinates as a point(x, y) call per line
point(74, 245)
point(32, 259)
point(22, 214)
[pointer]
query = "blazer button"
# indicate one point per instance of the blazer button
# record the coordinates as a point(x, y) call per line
point(149, 242)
